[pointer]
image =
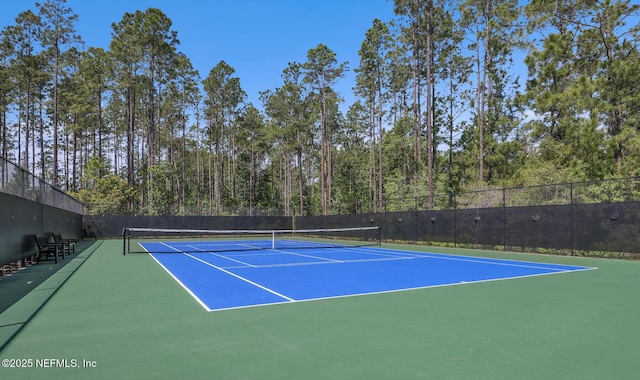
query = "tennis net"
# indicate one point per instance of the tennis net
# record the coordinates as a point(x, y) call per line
point(138, 240)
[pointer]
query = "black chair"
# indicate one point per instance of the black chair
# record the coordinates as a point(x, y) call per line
point(69, 244)
point(46, 249)
point(52, 241)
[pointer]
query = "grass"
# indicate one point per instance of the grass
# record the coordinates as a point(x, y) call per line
point(126, 315)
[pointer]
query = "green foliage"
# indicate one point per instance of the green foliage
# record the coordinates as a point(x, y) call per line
point(103, 194)
point(609, 190)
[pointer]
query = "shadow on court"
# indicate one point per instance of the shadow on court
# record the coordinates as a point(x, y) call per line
point(25, 292)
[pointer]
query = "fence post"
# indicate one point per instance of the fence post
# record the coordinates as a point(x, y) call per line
point(455, 220)
point(504, 219)
point(415, 219)
point(573, 211)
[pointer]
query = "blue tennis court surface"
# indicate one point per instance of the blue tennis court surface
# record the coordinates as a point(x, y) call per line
point(219, 279)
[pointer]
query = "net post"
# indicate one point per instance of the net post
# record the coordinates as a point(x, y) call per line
point(379, 237)
point(124, 241)
point(273, 239)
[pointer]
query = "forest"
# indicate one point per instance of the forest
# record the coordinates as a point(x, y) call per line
point(439, 109)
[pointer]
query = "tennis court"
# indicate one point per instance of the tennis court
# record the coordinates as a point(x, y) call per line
point(367, 313)
point(241, 273)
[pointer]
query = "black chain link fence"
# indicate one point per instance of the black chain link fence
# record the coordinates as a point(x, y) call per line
point(30, 206)
point(19, 182)
point(576, 218)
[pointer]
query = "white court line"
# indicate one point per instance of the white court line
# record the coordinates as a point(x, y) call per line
point(301, 255)
point(445, 284)
point(222, 256)
point(508, 263)
point(229, 273)
point(406, 289)
point(439, 256)
point(325, 262)
point(251, 246)
point(390, 252)
point(218, 268)
point(198, 300)
point(417, 255)
point(275, 251)
point(481, 260)
point(169, 246)
point(242, 278)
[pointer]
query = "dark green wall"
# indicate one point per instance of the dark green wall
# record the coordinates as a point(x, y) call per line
point(21, 217)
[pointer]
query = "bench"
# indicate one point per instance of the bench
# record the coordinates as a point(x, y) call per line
point(68, 245)
point(47, 249)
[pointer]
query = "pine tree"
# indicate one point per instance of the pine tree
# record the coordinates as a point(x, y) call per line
point(321, 71)
point(58, 33)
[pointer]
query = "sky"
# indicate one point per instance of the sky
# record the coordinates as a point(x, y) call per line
point(258, 38)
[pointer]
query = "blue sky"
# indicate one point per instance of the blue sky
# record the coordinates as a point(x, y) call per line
point(258, 38)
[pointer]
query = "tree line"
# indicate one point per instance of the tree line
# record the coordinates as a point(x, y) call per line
point(440, 108)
